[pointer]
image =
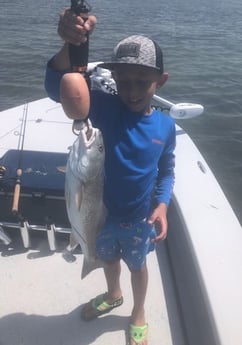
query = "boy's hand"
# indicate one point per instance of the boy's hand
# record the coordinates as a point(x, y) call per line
point(159, 218)
point(73, 29)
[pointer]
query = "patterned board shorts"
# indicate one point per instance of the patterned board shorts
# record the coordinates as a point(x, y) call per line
point(130, 241)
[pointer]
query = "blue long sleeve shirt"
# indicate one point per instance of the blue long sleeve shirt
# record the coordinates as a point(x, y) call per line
point(139, 153)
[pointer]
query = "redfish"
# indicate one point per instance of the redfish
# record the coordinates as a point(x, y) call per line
point(84, 191)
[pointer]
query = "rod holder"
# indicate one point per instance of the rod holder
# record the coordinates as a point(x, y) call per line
point(51, 236)
point(4, 237)
point(24, 231)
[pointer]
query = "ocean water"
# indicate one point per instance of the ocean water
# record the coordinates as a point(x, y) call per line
point(202, 45)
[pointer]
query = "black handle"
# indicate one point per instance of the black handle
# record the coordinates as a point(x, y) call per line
point(79, 54)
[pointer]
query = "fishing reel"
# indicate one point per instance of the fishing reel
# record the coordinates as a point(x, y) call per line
point(3, 170)
point(80, 7)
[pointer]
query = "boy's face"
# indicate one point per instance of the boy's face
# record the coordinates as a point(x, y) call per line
point(136, 86)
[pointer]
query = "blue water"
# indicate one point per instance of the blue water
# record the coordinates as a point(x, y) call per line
point(202, 44)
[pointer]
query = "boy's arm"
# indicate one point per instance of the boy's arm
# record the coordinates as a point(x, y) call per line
point(53, 76)
point(72, 29)
point(164, 187)
point(61, 62)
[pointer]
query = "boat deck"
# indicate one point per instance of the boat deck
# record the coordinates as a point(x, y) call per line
point(42, 295)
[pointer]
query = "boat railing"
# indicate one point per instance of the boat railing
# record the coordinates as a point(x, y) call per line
point(25, 228)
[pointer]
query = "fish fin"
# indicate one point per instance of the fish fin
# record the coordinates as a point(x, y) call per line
point(89, 266)
point(73, 242)
point(67, 194)
point(78, 197)
point(61, 168)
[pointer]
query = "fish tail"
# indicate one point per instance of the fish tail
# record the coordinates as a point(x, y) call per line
point(89, 266)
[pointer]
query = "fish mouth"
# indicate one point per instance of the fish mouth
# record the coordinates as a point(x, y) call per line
point(88, 133)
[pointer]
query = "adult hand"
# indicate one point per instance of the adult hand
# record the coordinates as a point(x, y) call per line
point(73, 29)
point(159, 219)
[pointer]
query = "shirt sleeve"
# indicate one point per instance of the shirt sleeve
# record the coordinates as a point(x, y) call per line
point(166, 174)
point(52, 81)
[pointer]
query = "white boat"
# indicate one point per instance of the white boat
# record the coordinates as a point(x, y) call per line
point(195, 289)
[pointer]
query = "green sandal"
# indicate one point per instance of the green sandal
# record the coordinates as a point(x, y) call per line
point(138, 333)
point(98, 306)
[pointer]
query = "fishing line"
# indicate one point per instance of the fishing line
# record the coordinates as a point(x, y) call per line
point(22, 131)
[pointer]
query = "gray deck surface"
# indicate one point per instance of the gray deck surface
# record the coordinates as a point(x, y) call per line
point(41, 296)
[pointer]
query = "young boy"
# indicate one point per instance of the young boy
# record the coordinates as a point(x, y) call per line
point(139, 163)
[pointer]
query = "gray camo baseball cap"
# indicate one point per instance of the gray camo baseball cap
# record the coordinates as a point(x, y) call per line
point(136, 50)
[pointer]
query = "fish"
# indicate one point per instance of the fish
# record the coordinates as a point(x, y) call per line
point(84, 192)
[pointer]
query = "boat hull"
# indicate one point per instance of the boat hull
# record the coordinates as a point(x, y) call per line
point(195, 291)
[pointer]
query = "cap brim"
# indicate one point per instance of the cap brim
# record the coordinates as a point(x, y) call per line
point(111, 65)
point(108, 65)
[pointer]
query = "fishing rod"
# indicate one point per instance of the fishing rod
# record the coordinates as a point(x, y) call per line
point(16, 193)
point(79, 54)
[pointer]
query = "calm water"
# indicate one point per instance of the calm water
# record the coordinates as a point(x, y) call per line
point(202, 44)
